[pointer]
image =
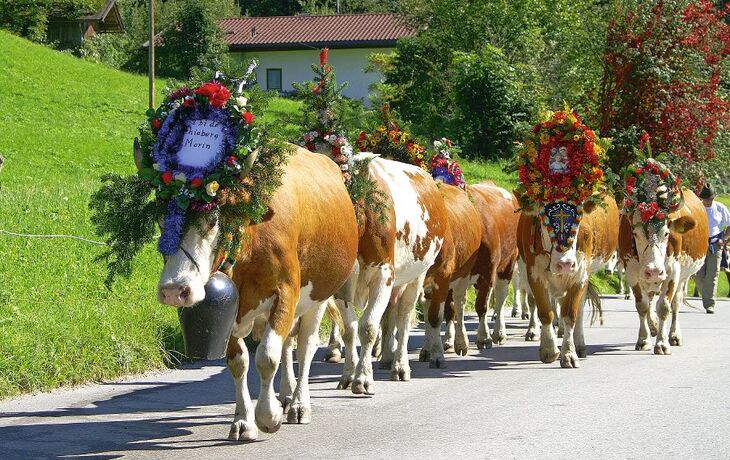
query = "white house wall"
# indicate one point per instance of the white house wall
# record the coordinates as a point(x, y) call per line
point(295, 66)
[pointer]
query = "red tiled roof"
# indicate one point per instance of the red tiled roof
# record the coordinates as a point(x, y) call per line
point(287, 32)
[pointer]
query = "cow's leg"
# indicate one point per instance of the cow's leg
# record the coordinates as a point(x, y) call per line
point(651, 317)
point(570, 305)
point(386, 336)
point(349, 320)
point(450, 317)
point(516, 298)
point(548, 348)
point(269, 413)
point(556, 315)
point(501, 291)
point(300, 410)
point(484, 293)
point(243, 427)
point(662, 346)
point(532, 326)
point(579, 334)
point(675, 332)
point(401, 368)
point(380, 290)
point(288, 379)
point(434, 318)
point(461, 342)
point(333, 354)
point(641, 302)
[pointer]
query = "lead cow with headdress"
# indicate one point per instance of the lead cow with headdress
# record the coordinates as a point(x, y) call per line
point(281, 224)
point(568, 228)
point(662, 242)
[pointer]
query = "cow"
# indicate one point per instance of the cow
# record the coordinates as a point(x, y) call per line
point(394, 256)
point(563, 273)
point(493, 270)
point(291, 264)
point(451, 275)
point(658, 264)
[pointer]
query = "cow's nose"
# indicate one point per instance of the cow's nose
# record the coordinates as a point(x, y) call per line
point(567, 266)
point(654, 274)
point(174, 295)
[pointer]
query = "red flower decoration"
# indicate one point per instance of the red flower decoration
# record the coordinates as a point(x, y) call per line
point(231, 160)
point(196, 182)
point(166, 177)
point(216, 93)
point(189, 103)
point(248, 117)
point(323, 56)
point(156, 123)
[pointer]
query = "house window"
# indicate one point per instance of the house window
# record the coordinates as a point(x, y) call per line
point(273, 79)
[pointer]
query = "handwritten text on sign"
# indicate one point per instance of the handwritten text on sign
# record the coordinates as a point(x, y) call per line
point(202, 144)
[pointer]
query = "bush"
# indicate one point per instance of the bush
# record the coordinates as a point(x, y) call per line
point(108, 49)
point(489, 108)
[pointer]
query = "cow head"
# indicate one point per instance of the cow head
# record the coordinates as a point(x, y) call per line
point(187, 270)
point(651, 242)
point(560, 223)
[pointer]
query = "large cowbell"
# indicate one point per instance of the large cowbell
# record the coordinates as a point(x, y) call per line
point(561, 220)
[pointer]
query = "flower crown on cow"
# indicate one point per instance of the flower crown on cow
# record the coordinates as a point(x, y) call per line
point(653, 190)
point(204, 158)
point(389, 141)
point(560, 166)
point(443, 166)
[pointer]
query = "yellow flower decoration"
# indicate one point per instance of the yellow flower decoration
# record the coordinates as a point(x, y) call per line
point(212, 188)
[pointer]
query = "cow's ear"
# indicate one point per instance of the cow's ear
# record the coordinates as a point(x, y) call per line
point(588, 206)
point(682, 224)
point(137, 154)
point(527, 207)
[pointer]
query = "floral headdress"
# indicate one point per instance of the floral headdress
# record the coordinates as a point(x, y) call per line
point(559, 166)
point(390, 142)
point(653, 190)
point(443, 165)
point(201, 155)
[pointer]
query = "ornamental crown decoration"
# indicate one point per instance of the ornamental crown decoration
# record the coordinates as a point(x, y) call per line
point(560, 165)
point(653, 191)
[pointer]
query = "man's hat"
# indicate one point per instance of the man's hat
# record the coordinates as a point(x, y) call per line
point(708, 192)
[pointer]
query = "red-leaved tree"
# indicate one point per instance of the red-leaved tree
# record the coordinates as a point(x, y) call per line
point(662, 76)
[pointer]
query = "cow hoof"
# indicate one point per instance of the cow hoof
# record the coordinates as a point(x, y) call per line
point(363, 388)
point(525, 316)
point(582, 352)
point(461, 349)
point(243, 431)
point(345, 383)
point(424, 355)
point(448, 347)
point(569, 361)
point(642, 345)
point(675, 340)
point(499, 338)
point(514, 313)
point(400, 374)
point(385, 364)
point(662, 349)
point(299, 414)
point(269, 423)
point(333, 355)
point(530, 336)
point(548, 356)
point(484, 343)
point(437, 362)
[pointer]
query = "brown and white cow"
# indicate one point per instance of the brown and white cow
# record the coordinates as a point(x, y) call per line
point(493, 270)
point(451, 275)
point(291, 264)
point(658, 264)
point(564, 275)
point(393, 258)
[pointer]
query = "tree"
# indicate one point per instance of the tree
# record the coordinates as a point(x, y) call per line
point(663, 71)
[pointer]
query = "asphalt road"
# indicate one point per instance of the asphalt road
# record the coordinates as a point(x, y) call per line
point(497, 403)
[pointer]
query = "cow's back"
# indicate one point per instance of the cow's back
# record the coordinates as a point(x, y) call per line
point(692, 243)
point(602, 222)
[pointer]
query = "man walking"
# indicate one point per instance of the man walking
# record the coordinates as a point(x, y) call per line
point(718, 218)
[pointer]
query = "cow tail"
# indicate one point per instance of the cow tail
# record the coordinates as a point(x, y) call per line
point(593, 297)
point(334, 314)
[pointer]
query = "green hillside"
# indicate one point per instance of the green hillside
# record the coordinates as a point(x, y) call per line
point(65, 122)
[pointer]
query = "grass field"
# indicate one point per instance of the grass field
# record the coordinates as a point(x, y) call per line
point(64, 123)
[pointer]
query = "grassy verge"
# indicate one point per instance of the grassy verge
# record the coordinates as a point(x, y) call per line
point(65, 122)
